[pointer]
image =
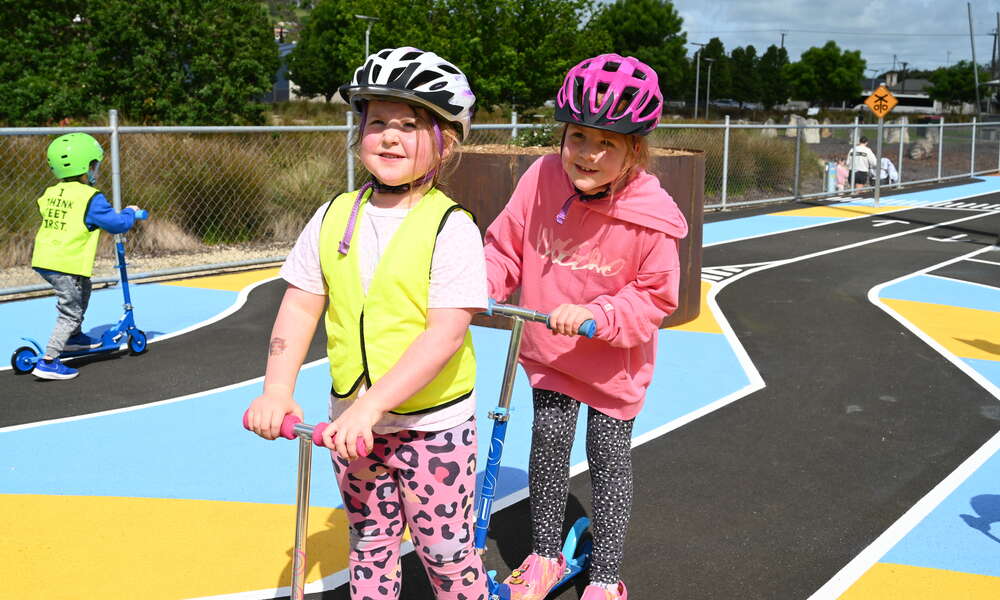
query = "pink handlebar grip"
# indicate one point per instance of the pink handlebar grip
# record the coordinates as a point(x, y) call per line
point(287, 425)
point(288, 431)
point(317, 436)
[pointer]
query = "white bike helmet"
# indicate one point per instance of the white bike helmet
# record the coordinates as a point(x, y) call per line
point(415, 76)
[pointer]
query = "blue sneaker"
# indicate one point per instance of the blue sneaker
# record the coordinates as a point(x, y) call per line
point(81, 341)
point(53, 369)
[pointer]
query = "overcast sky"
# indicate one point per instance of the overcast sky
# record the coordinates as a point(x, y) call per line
point(925, 34)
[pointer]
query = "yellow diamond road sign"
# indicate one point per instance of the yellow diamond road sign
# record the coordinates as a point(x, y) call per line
point(881, 101)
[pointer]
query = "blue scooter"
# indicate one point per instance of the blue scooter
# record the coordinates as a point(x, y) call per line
point(575, 549)
point(24, 358)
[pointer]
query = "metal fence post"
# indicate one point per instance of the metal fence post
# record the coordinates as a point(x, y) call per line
point(513, 124)
point(116, 172)
point(350, 153)
point(854, 144)
point(798, 158)
point(902, 132)
point(972, 154)
point(940, 147)
point(725, 163)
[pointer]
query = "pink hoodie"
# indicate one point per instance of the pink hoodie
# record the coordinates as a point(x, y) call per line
point(616, 256)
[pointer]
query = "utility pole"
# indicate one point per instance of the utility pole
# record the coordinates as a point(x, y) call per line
point(975, 67)
point(708, 88)
point(902, 81)
point(697, 75)
point(996, 50)
point(893, 62)
point(782, 39)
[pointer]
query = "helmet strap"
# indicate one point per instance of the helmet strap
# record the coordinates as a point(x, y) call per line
point(92, 173)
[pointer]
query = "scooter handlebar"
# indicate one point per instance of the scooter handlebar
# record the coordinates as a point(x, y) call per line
point(588, 328)
point(287, 431)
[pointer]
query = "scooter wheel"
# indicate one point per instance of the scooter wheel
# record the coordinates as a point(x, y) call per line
point(23, 360)
point(137, 342)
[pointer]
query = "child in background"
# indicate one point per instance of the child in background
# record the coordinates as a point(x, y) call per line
point(842, 175)
point(589, 234)
point(402, 267)
point(73, 215)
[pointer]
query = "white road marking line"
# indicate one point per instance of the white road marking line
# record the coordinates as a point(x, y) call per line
point(867, 558)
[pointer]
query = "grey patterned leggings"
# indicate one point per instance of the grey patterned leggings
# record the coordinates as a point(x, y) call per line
point(73, 296)
point(610, 457)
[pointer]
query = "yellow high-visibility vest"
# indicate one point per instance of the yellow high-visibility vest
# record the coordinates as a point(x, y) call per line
point(64, 242)
point(368, 333)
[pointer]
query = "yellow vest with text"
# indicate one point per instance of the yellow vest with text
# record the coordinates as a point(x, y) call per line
point(367, 334)
point(64, 242)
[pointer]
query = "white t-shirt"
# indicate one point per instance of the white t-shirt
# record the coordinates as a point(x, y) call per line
point(458, 280)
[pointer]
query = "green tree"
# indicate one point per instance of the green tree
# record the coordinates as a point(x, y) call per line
point(328, 50)
point(774, 88)
point(164, 61)
point(45, 62)
point(745, 74)
point(721, 71)
point(515, 52)
point(184, 62)
point(649, 30)
point(827, 76)
point(955, 84)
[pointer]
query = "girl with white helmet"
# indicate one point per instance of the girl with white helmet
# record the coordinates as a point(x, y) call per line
point(589, 234)
point(397, 271)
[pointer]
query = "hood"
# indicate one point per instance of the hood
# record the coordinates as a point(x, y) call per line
point(645, 203)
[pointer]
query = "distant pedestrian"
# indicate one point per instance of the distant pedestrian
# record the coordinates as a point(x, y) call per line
point(861, 162)
point(888, 173)
point(842, 175)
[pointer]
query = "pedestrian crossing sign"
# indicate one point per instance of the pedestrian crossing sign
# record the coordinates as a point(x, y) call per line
point(881, 101)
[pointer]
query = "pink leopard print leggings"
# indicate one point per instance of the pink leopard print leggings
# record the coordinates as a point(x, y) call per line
point(426, 480)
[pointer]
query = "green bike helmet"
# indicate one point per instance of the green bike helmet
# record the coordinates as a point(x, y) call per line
point(70, 155)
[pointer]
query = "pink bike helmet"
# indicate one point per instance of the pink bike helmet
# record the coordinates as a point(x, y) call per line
point(612, 92)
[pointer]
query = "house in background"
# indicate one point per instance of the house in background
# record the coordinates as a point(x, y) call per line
point(282, 89)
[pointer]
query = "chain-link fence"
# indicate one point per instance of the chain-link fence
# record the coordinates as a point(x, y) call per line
point(227, 196)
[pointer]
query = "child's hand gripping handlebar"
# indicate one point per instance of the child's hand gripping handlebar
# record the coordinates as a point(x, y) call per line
point(588, 328)
point(290, 423)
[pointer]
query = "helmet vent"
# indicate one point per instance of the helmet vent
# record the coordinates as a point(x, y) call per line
point(394, 75)
point(449, 69)
point(423, 78)
point(651, 108)
point(639, 74)
point(578, 92)
point(411, 56)
point(612, 66)
point(375, 71)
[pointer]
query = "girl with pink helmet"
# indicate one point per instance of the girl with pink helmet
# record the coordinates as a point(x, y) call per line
point(589, 234)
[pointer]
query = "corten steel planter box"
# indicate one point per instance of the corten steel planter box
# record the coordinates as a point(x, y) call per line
point(486, 177)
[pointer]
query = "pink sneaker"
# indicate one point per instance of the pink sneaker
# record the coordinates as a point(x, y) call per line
point(535, 578)
point(599, 592)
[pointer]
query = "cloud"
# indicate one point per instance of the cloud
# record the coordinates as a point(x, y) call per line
point(925, 34)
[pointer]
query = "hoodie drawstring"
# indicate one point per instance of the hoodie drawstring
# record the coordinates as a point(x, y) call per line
point(561, 216)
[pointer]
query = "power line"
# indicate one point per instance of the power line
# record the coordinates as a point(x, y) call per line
point(878, 33)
